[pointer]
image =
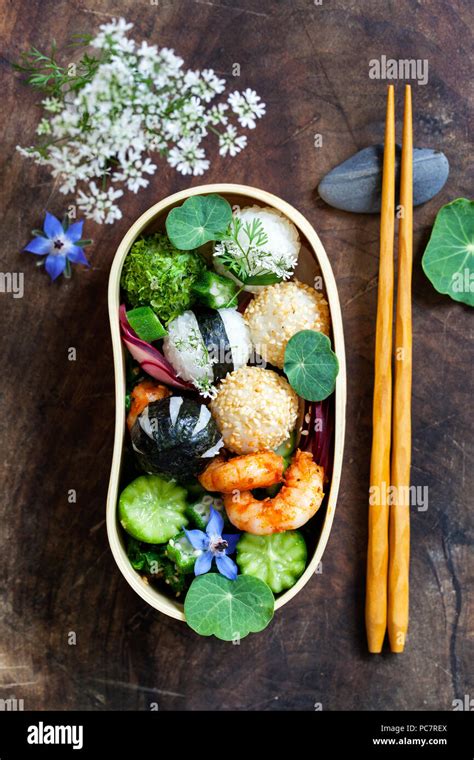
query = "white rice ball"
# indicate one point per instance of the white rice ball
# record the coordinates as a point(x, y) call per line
point(185, 350)
point(283, 242)
point(238, 335)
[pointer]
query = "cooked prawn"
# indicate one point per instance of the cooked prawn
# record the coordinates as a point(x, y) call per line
point(142, 395)
point(298, 500)
point(242, 473)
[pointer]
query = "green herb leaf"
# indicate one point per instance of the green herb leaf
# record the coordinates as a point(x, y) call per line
point(310, 365)
point(200, 219)
point(150, 561)
point(448, 260)
point(262, 279)
point(227, 609)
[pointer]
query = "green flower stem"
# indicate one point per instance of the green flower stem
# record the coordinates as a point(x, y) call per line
point(234, 298)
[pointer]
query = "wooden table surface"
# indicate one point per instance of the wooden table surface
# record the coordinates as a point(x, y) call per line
point(310, 64)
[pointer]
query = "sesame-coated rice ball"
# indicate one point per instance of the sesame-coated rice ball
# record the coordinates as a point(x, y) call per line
point(255, 409)
point(279, 312)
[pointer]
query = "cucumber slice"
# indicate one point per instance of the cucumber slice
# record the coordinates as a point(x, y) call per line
point(146, 324)
point(182, 553)
point(215, 291)
point(278, 559)
point(152, 509)
point(200, 512)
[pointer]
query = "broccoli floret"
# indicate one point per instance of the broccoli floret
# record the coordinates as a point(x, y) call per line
point(157, 274)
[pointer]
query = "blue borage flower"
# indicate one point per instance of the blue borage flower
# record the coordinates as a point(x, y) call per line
point(214, 544)
point(60, 244)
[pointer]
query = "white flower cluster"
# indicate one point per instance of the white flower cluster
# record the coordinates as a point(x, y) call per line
point(139, 100)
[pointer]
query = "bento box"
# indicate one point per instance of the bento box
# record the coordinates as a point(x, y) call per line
point(313, 266)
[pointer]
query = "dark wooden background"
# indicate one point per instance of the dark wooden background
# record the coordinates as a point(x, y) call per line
point(310, 64)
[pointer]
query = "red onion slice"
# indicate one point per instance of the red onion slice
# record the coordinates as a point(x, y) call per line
point(149, 358)
point(317, 433)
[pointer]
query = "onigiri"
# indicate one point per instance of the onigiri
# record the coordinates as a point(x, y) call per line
point(279, 312)
point(204, 346)
point(265, 244)
point(255, 409)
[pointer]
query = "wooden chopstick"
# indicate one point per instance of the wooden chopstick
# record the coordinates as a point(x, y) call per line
point(377, 556)
point(399, 541)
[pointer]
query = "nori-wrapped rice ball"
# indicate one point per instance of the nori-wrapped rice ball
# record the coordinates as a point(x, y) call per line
point(175, 436)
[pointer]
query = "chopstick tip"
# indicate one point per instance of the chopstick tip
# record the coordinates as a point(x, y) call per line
point(390, 104)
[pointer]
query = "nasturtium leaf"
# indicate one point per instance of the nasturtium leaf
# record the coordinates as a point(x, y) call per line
point(227, 609)
point(200, 219)
point(310, 365)
point(448, 260)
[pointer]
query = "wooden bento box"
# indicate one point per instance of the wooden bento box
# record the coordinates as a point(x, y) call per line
point(313, 262)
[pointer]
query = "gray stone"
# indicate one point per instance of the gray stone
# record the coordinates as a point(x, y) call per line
point(356, 184)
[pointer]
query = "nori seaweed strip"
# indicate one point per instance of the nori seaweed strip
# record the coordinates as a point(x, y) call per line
point(216, 341)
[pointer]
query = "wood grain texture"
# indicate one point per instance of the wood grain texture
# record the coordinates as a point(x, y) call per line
point(310, 64)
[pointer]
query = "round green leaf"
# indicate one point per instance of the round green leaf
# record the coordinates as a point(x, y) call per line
point(448, 260)
point(310, 365)
point(201, 218)
point(227, 609)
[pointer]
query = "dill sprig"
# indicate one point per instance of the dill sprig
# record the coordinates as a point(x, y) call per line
point(246, 253)
point(44, 73)
point(237, 256)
